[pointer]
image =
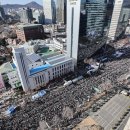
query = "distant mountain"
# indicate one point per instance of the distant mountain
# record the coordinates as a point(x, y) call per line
point(33, 4)
point(17, 6)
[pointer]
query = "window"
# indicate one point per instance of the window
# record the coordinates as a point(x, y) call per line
point(36, 80)
point(43, 78)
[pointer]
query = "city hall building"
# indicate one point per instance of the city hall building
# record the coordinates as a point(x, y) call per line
point(39, 73)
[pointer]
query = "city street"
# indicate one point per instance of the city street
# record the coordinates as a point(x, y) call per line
point(73, 96)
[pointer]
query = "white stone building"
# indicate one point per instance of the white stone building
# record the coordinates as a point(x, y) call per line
point(39, 75)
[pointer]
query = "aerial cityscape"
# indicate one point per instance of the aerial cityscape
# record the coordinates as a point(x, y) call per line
point(65, 65)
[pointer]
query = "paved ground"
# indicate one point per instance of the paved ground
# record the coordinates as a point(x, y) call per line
point(110, 113)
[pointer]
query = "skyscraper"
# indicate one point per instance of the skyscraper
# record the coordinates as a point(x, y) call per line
point(26, 15)
point(61, 11)
point(73, 18)
point(122, 23)
point(39, 16)
point(49, 11)
point(93, 17)
point(115, 19)
point(100, 20)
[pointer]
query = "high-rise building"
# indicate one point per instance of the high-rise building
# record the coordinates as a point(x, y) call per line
point(122, 23)
point(115, 19)
point(73, 18)
point(61, 11)
point(49, 11)
point(39, 16)
point(26, 15)
point(100, 20)
point(96, 12)
point(93, 17)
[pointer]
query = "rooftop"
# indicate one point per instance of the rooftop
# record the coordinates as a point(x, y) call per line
point(55, 60)
point(33, 57)
point(28, 25)
point(45, 51)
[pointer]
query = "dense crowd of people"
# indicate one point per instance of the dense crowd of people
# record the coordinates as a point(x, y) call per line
point(52, 106)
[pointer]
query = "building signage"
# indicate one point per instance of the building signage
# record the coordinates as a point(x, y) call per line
point(73, 2)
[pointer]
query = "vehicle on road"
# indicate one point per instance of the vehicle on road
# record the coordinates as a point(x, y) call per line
point(92, 69)
point(124, 93)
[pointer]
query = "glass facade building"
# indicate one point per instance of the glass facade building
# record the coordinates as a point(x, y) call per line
point(123, 22)
point(101, 21)
point(95, 17)
point(96, 12)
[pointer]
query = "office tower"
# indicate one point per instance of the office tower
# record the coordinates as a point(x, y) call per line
point(96, 17)
point(26, 15)
point(115, 19)
point(93, 13)
point(49, 11)
point(122, 23)
point(42, 18)
point(39, 16)
point(61, 11)
point(96, 11)
point(73, 18)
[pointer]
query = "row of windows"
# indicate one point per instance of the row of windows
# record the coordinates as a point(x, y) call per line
point(61, 72)
point(62, 66)
point(39, 79)
point(13, 77)
point(15, 81)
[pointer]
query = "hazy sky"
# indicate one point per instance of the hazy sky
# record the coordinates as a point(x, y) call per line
point(19, 1)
